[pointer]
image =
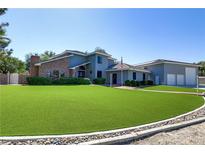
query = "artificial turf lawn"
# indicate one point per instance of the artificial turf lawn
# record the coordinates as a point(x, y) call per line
point(172, 88)
point(43, 110)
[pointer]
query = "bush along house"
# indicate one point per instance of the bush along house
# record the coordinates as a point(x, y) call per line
point(99, 64)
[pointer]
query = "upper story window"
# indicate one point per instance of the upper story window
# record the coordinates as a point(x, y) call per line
point(99, 59)
point(134, 75)
point(99, 74)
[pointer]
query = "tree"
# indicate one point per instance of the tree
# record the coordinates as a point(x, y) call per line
point(202, 69)
point(98, 49)
point(9, 63)
point(43, 57)
point(46, 55)
point(4, 41)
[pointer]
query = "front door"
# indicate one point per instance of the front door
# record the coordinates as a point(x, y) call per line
point(114, 78)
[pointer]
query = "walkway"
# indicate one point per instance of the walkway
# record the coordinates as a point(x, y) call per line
point(160, 91)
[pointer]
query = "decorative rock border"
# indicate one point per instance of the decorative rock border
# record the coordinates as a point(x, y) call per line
point(90, 138)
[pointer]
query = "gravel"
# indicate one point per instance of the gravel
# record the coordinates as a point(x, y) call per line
point(190, 135)
point(86, 138)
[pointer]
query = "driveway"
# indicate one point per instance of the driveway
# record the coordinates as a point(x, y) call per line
point(189, 135)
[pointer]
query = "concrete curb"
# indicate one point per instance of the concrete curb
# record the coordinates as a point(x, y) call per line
point(142, 134)
point(95, 133)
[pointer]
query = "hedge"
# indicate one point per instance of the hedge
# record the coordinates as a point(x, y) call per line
point(61, 81)
point(99, 81)
point(38, 81)
point(134, 83)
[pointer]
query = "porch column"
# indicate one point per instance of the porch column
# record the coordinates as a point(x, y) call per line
point(121, 77)
point(110, 79)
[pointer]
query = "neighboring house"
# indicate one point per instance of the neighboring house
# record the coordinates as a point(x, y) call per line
point(99, 64)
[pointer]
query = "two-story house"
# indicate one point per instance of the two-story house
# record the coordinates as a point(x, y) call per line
point(99, 64)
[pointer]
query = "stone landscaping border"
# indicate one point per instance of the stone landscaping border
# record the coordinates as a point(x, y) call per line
point(142, 134)
point(90, 138)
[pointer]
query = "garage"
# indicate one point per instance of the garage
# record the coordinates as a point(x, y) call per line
point(171, 79)
point(180, 79)
point(190, 76)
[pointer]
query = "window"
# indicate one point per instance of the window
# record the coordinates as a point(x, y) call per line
point(99, 74)
point(81, 74)
point(134, 75)
point(99, 60)
point(143, 76)
point(48, 74)
point(56, 73)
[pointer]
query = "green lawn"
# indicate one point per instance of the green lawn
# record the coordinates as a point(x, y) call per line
point(37, 110)
point(172, 88)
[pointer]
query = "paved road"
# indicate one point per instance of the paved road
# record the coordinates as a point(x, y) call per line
point(189, 135)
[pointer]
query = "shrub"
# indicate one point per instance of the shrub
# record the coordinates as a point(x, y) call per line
point(127, 83)
point(137, 83)
point(38, 81)
point(61, 81)
point(99, 81)
point(142, 83)
point(149, 82)
point(71, 81)
point(133, 83)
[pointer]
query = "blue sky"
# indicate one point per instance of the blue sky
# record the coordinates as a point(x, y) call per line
point(138, 35)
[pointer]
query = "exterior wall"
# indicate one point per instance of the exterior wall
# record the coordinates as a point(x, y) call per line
point(157, 70)
point(34, 70)
point(139, 75)
point(76, 60)
point(176, 69)
point(111, 62)
point(61, 65)
point(127, 75)
point(163, 69)
point(92, 67)
point(102, 67)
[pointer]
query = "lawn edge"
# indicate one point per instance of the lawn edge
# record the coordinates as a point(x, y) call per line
point(143, 134)
point(99, 132)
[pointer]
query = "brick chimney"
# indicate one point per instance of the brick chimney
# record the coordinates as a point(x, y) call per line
point(34, 69)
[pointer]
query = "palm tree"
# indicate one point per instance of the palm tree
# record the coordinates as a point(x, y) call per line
point(4, 41)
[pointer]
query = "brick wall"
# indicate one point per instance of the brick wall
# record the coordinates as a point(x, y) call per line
point(22, 78)
point(34, 69)
point(61, 65)
point(3, 78)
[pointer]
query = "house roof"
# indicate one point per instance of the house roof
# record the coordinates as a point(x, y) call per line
point(82, 64)
point(52, 59)
point(164, 61)
point(119, 67)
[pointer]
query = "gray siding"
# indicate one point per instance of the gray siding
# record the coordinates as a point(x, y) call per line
point(76, 60)
point(157, 70)
point(176, 69)
point(92, 67)
point(163, 69)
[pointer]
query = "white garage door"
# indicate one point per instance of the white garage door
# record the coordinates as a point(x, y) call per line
point(171, 79)
point(190, 76)
point(180, 79)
